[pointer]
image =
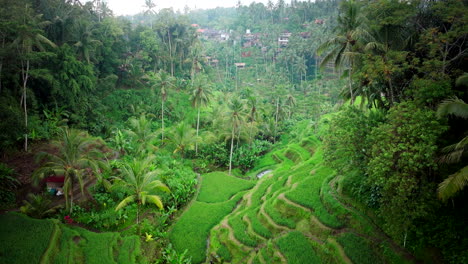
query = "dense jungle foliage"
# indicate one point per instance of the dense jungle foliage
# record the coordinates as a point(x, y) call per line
point(156, 126)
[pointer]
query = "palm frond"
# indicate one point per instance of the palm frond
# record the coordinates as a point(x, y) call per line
point(453, 184)
point(156, 200)
point(159, 185)
point(453, 106)
point(124, 202)
point(462, 80)
point(454, 152)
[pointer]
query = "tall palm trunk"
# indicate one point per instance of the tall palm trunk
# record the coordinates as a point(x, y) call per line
point(276, 120)
point(162, 119)
point(170, 53)
point(232, 148)
point(25, 75)
point(1, 62)
point(138, 212)
point(198, 125)
point(350, 84)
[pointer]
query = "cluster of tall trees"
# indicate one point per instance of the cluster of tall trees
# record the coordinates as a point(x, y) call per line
point(403, 62)
point(67, 55)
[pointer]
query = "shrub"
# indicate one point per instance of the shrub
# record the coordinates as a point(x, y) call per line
point(8, 186)
point(182, 182)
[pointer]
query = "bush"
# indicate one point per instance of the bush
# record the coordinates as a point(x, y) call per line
point(182, 182)
point(8, 186)
point(246, 156)
point(12, 126)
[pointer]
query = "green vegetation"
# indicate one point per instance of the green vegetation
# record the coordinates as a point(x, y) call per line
point(218, 196)
point(244, 134)
point(15, 228)
point(297, 249)
point(219, 187)
point(52, 242)
point(357, 248)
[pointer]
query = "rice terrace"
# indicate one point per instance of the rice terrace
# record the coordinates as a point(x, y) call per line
point(243, 132)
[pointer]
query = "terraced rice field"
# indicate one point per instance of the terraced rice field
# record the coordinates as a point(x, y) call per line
point(292, 215)
point(48, 241)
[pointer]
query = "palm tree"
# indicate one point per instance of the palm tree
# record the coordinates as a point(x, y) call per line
point(290, 103)
point(140, 130)
point(141, 185)
point(149, 6)
point(29, 37)
point(344, 45)
point(162, 82)
point(201, 96)
point(86, 44)
point(183, 137)
point(236, 117)
point(76, 154)
point(459, 180)
point(253, 116)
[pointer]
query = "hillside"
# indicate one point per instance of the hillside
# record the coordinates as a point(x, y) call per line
point(293, 214)
point(48, 241)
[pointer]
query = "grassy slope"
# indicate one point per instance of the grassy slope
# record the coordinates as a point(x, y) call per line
point(27, 240)
point(291, 215)
point(218, 196)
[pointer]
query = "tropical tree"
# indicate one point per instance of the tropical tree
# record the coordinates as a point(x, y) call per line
point(344, 45)
point(182, 136)
point(236, 117)
point(453, 153)
point(290, 104)
point(141, 132)
point(76, 154)
point(162, 82)
point(149, 10)
point(38, 206)
point(28, 40)
point(86, 44)
point(201, 96)
point(140, 183)
point(253, 116)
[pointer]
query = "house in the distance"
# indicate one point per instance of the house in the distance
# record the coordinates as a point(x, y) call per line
point(283, 39)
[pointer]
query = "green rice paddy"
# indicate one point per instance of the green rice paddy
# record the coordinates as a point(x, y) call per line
point(291, 215)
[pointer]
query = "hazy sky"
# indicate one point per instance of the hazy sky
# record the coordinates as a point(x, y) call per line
point(130, 7)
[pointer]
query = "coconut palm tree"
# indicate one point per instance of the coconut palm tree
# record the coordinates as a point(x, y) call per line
point(290, 104)
point(76, 155)
point(141, 132)
point(236, 117)
point(149, 10)
point(201, 96)
point(344, 45)
point(252, 117)
point(140, 183)
point(86, 44)
point(459, 180)
point(182, 136)
point(162, 82)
